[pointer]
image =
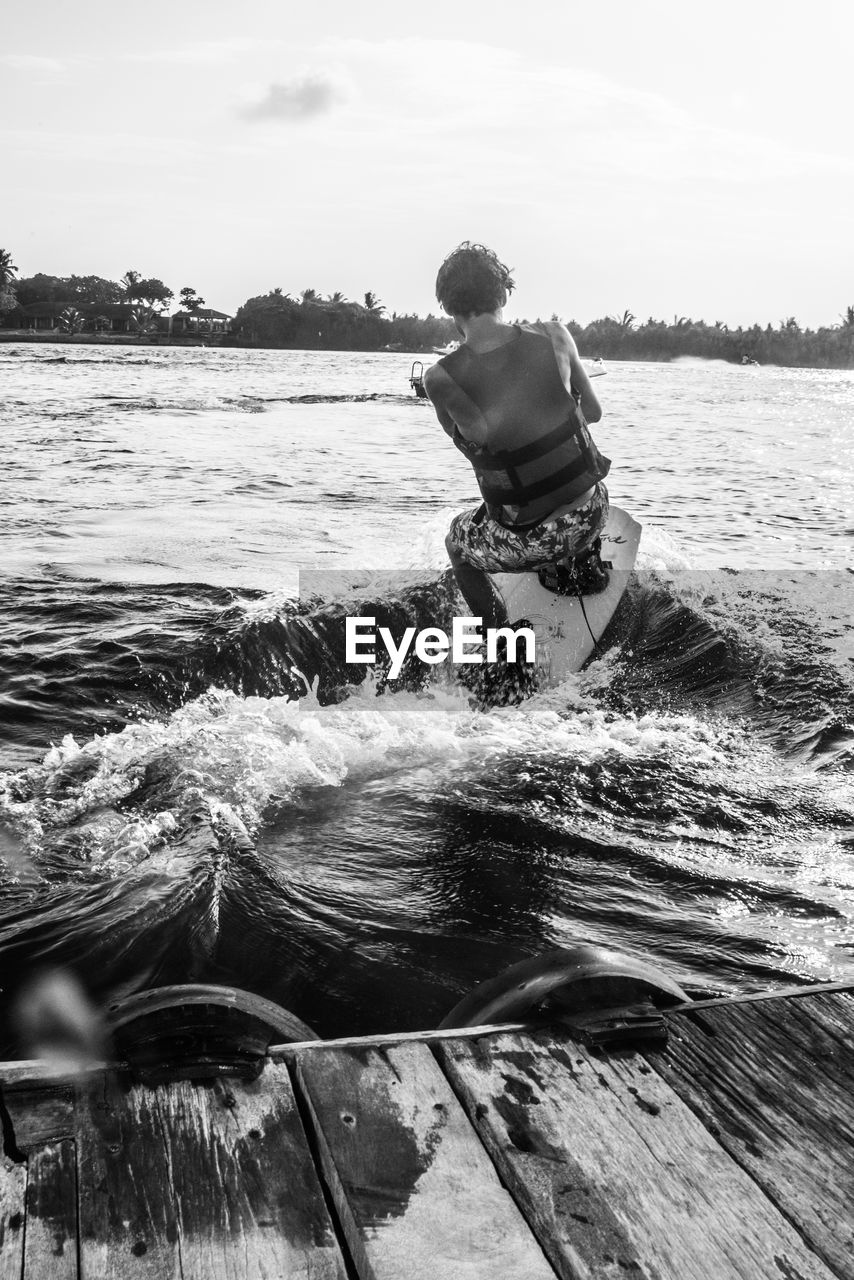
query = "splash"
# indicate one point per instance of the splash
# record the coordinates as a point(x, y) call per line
point(242, 760)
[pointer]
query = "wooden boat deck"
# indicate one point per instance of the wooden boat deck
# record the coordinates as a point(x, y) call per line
point(506, 1153)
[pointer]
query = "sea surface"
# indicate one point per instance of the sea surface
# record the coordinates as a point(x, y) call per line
point(192, 790)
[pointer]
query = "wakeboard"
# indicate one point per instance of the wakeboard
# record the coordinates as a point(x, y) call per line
point(568, 627)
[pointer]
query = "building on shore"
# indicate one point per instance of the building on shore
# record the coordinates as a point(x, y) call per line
point(60, 317)
point(197, 323)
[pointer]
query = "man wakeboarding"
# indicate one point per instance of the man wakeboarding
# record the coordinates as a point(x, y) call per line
point(516, 400)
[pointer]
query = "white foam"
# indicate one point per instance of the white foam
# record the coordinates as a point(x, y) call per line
point(238, 758)
point(660, 551)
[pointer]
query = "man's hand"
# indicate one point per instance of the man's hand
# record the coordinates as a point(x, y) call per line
point(572, 370)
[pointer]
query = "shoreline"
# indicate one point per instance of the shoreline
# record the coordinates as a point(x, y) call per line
point(230, 342)
point(104, 340)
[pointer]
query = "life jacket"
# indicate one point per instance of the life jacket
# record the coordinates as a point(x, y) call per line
point(551, 468)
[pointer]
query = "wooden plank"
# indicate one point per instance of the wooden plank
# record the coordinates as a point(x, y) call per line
point(414, 1189)
point(834, 1015)
point(761, 997)
point(197, 1181)
point(775, 1083)
point(32, 1073)
point(128, 1220)
point(247, 1158)
point(40, 1123)
point(51, 1235)
point(293, 1049)
point(614, 1172)
point(13, 1183)
point(39, 1116)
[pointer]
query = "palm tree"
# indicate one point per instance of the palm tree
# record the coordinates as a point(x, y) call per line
point(8, 299)
point(372, 303)
point(71, 320)
point(143, 320)
point(309, 295)
point(7, 269)
point(130, 281)
point(626, 320)
point(848, 318)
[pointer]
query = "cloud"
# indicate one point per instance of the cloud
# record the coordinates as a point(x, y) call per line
point(300, 98)
point(538, 129)
point(30, 62)
point(208, 52)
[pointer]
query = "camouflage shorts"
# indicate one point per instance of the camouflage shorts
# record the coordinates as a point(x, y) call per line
point(488, 545)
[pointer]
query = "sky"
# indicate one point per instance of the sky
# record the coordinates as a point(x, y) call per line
point(644, 155)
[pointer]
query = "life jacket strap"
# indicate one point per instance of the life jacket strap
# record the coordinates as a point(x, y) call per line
point(499, 459)
point(531, 491)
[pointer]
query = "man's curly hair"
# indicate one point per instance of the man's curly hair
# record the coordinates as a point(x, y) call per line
point(472, 281)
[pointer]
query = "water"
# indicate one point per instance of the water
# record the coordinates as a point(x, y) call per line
point(175, 806)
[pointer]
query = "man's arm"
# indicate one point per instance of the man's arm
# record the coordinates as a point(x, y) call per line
point(573, 371)
point(454, 409)
point(435, 380)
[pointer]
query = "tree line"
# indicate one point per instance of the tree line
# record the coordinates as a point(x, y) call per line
point(79, 304)
point(623, 338)
point(276, 319)
point(311, 321)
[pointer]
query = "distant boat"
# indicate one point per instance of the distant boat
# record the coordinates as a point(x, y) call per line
point(416, 379)
point(445, 351)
